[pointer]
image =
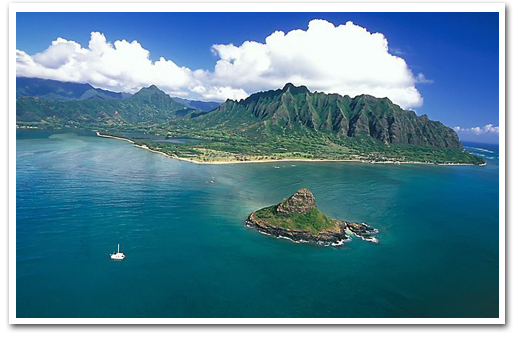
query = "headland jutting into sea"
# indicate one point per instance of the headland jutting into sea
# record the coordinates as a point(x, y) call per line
point(254, 161)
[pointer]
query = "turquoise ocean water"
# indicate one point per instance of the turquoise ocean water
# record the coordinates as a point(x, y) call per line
point(181, 226)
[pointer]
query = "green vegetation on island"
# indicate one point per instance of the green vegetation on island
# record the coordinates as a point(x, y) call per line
point(297, 218)
point(313, 221)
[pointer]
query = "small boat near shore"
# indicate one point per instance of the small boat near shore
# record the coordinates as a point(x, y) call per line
point(118, 255)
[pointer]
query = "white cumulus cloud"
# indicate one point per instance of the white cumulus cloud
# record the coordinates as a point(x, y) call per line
point(344, 59)
point(477, 130)
point(124, 65)
point(484, 134)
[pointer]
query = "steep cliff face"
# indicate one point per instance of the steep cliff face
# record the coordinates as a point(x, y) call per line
point(296, 108)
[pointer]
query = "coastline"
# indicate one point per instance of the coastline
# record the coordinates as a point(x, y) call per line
point(113, 137)
point(279, 160)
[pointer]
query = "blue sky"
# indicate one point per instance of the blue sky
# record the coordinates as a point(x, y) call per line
point(457, 53)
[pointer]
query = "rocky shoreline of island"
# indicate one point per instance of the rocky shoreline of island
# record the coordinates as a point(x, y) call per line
point(331, 237)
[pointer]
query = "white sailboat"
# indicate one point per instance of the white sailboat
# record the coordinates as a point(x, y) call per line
point(118, 255)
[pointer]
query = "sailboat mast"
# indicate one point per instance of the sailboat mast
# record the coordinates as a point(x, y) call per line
point(118, 248)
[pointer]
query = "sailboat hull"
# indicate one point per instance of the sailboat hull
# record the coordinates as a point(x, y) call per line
point(117, 256)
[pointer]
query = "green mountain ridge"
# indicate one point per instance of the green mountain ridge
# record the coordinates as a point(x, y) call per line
point(288, 123)
point(149, 106)
point(296, 109)
point(52, 90)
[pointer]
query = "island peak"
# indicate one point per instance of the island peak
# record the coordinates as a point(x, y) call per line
point(300, 202)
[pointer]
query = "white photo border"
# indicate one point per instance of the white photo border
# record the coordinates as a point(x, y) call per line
point(253, 7)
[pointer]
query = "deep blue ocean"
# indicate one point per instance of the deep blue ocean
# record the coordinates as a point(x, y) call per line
point(188, 254)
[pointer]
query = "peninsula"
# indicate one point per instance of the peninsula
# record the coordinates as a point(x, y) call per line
point(297, 218)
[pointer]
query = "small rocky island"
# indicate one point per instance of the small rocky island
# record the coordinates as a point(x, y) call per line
point(297, 218)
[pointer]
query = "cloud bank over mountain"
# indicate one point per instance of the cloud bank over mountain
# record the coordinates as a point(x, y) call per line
point(344, 59)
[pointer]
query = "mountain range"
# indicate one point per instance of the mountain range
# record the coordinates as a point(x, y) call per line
point(295, 109)
point(52, 90)
point(147, 106)
point(56, 90)
point(286, 123)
